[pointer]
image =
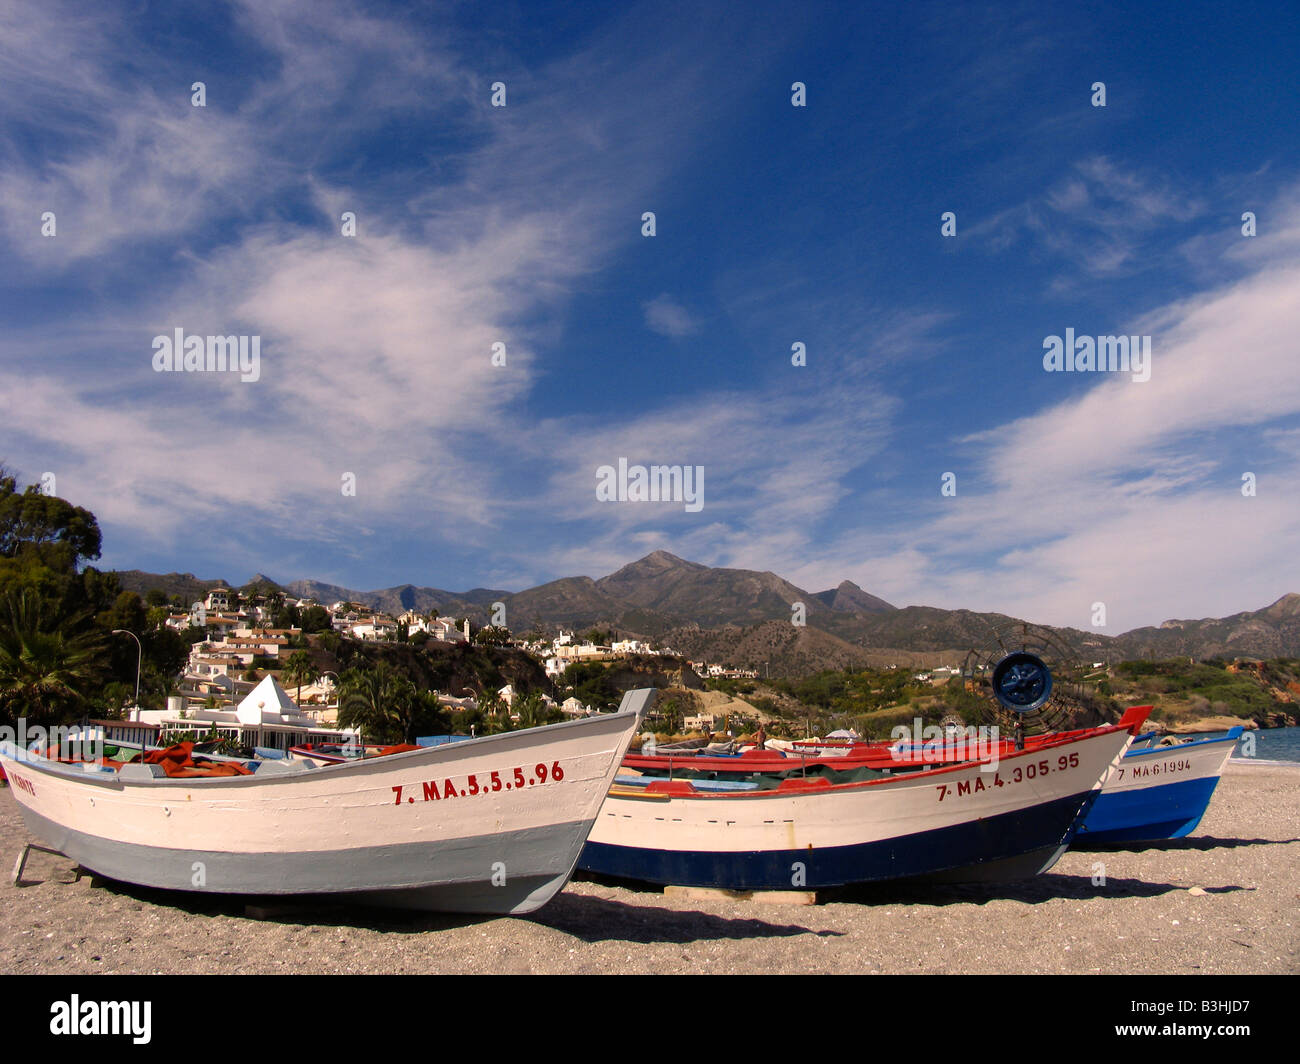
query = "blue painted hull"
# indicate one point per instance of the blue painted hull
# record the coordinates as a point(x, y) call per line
point(1169, 811)
point(1125, 813)
point(1014, 845)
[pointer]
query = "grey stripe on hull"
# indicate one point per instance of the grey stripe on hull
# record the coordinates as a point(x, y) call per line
point(450, 876)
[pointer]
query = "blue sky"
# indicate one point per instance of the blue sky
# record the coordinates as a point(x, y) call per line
point(775, 224)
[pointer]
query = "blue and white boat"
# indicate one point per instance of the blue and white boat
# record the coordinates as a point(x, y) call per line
point(1157, 792)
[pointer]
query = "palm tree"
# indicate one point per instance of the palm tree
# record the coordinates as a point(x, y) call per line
point(301, 670)
point(495, 712)
point(533, 712)
point(47, 662)
point(379, 700)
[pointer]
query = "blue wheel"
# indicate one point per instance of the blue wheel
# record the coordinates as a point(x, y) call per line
point(1022, 682)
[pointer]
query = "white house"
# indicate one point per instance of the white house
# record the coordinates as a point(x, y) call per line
point(571, 707)
point(265, 717)
point(444, 630)
point(378, 627)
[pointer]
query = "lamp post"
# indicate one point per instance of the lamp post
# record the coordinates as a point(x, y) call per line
point(139, 657)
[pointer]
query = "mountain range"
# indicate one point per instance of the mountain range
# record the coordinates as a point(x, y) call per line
point(744, 617)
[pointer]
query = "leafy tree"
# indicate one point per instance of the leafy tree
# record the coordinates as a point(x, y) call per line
point(670, 712)
point(315, 619)
point(47, 662)
point(45, 528)
point(492, 636)
point(592, 684)
point(128, 612)
point(285, 616)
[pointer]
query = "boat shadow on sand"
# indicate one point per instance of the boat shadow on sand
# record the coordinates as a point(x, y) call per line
point(1049, 887)
point(299, 910)
point(1199, 842)
point(591, 919)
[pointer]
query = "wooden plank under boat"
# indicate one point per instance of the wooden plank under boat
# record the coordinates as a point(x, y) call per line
point(488, 825)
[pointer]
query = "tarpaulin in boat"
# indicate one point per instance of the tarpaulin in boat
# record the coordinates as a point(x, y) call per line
point(178, 762)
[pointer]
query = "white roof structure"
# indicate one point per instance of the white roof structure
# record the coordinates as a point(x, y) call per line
point(268, 703)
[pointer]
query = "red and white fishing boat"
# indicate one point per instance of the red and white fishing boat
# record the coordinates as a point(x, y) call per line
point(488, 825)
point(1007, 817)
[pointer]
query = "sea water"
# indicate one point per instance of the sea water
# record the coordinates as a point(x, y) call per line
point(1271, 744)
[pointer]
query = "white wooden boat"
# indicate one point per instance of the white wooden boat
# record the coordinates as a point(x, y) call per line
point(489, 825)
point(993, 819)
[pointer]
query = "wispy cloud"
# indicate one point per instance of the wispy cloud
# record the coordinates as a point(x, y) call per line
point(668, 317)
point(1096, 219)
point(1130, 494)
point(377, 350)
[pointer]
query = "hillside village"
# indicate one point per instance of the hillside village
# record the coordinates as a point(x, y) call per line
point(252, 678)
point(240, 666)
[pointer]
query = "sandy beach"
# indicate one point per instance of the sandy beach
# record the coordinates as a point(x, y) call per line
point(1225, 901)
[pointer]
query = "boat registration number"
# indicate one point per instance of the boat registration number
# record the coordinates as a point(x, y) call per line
point(1160, 768)
point(1020, 773)
point(515, 779)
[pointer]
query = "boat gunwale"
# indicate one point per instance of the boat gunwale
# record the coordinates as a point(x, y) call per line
point(1239, 729)
point(839, 788)
point(73, 772)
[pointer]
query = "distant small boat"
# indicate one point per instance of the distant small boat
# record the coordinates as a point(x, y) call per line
point(974, 820)
point(487, 825)
point(341, 753)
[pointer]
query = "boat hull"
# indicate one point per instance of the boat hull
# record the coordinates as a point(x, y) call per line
point(973, 821)
point(452, 875)
point(1017, 845)
point(477, 826)
point(1161, 793)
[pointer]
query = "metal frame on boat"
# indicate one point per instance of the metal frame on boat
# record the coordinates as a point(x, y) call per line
point(490, 825)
